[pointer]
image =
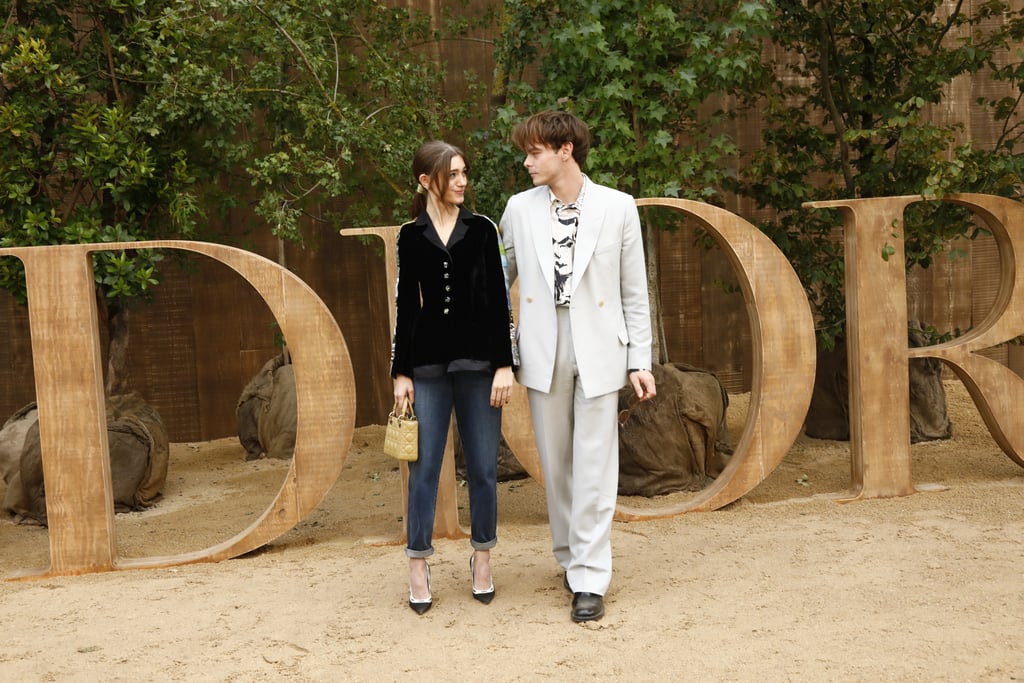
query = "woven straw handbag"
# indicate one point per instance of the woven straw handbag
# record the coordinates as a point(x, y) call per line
point(401, 440)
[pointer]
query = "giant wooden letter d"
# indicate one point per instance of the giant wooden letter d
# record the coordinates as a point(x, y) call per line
point(72, 422)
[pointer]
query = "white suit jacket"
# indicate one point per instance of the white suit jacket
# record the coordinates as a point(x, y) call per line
point(609, 310)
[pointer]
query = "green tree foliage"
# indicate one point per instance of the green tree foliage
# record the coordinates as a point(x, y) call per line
point(125, 120)
point(134, 119)
point(851, 113)
point(651, 78)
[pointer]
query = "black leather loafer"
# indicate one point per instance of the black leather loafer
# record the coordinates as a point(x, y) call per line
point(587, 607)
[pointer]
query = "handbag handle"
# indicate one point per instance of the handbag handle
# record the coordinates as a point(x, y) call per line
point(406, 412)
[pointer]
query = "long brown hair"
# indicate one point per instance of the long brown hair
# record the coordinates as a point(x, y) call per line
point(434, 159)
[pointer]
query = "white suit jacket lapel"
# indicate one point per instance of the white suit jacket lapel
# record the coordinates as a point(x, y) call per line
point(539, 221)
point(591, 223)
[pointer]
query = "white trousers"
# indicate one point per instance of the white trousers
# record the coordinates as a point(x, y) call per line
point(578, 444)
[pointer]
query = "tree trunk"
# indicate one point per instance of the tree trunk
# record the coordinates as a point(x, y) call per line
point(652, 255)
point(118, 377)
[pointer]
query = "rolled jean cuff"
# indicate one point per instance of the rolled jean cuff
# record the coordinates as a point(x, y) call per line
point(409, 552)
point(486, 545)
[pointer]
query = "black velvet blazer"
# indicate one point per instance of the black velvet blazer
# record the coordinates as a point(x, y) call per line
point(452, 301)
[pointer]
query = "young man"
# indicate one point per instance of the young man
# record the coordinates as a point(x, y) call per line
point(584, 327)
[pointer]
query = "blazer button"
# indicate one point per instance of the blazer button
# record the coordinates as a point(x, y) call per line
point(446, 311)
point(529, 299)
point(600, 304)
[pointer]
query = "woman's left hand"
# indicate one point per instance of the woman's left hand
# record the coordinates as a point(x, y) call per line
point(501, 388)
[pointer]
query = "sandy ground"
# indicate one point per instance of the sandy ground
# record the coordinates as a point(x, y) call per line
point(786, 584)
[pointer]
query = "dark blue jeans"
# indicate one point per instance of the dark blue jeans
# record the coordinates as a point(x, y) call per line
point(480, 432)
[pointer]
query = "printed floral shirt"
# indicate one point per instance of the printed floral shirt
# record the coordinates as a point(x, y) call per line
point(565, 220)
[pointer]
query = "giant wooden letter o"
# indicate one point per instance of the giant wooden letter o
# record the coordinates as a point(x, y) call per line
point(783, 357)
point(72, 423)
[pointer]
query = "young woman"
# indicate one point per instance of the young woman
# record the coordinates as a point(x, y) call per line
point(452, 349)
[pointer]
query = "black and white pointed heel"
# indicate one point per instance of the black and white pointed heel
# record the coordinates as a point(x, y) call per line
point(421, 605)
point(486, 595)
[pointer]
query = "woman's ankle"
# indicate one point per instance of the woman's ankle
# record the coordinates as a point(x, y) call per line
point(418, 581)
point(481, 568)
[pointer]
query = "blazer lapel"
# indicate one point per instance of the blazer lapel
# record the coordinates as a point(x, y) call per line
point(460, 230)
point(539, 221)
point(590, 225)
